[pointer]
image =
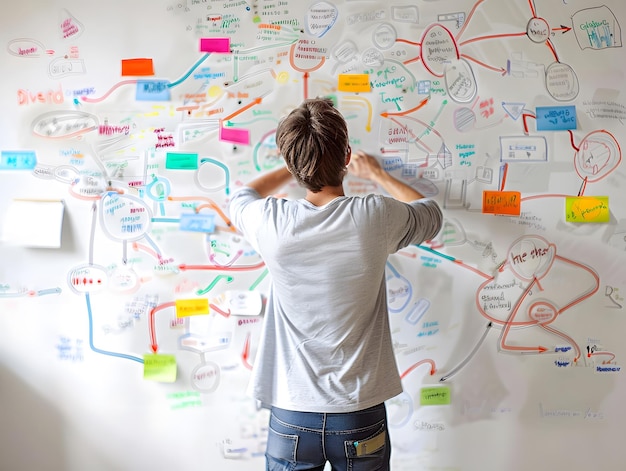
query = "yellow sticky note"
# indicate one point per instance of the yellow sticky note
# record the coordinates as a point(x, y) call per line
point(353, 83)
point(435, 396)
point(159, 367)
point(587, 209)
point(192, 307)
point(502, 202)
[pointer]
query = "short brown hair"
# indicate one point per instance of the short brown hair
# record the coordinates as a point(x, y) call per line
point(313, 140)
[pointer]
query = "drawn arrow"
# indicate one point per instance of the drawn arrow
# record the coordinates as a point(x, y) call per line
point(466, 360)
point(245, 354)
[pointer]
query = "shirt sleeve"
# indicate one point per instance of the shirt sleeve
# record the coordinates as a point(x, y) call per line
point(412, 223)
point(246, 209)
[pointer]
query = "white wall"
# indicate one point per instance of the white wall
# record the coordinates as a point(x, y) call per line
point(521, 317)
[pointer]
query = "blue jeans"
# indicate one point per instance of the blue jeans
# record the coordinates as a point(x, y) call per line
point(354, 441)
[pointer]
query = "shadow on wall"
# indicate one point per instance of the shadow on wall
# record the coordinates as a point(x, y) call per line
point(34, 434)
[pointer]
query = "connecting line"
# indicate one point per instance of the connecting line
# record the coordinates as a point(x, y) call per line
point(97, 350)
point(466, 360)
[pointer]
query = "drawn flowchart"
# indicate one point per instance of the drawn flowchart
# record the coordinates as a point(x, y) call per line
point(507, 113)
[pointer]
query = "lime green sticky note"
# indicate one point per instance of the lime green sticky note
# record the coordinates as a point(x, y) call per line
point(587, 209)
point(159, 367)
point(435, 396)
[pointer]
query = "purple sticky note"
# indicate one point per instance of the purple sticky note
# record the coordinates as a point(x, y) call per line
point(235, 135)
point(215, 45)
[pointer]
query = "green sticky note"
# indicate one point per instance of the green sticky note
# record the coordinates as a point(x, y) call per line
point(587, 209)
point(435, 396)
point(181, 161)
point(159, 367)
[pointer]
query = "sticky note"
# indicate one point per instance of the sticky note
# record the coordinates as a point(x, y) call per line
point(215, 44)
point(159, 367)
point(181, 161)
point(235, 135)
point(193, 222)
point(587, 209)
point(137, 67)
point(435, 396)
point(506, 203)
point(555, 118)
point(192, 307)
point(152, 90)
point(353, 83)
point(18, 160)
point(34, 223)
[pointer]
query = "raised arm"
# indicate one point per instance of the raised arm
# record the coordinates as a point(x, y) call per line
point(269, 183)
point(366, 166)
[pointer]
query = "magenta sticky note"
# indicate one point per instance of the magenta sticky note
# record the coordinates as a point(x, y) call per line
point(214, 44)
point(235, 135)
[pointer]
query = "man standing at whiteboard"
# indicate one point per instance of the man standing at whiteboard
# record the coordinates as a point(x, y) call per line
point(325, 364)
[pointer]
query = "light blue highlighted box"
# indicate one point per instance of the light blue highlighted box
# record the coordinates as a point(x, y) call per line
point(193, 222)
point(17, 160)
point(556, 118)
point(152, 90)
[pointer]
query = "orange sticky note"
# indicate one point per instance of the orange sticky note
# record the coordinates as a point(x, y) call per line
point(507, 203)
point(192, 307)
point(137, 67)
point(353, 83)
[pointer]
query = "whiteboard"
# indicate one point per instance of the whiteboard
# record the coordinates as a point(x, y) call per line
point(128, 331)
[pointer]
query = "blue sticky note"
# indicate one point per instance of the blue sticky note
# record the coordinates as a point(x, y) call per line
point(18, 160)
point(196, 222)
point(152, 90)
point(556, 118)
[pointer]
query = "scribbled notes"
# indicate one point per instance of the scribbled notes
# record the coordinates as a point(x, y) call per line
point(192, 307)
point(586, 209)
point(506, 203)
point(435, 396)
point(159, 367)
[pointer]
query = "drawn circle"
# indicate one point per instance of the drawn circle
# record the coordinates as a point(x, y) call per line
point(399, 410)
point(206, 377)
point(597, 156)
point(538, 30)
point(460, 81)
point(464, 119)
point(372, 57)
point(124, 217)
point(265, 153)
point(345, 52)
point(561, 82)
point(438, 48)
point(543, 312)
point(158, 189)
point(531, 257)
point(208, 179)
point(399, 292)
point(124, 280)
point(282, 77)
point(87, 279)
point(384, 36)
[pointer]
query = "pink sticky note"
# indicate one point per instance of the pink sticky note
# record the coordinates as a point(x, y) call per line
point(214, 44)
point(235, 135)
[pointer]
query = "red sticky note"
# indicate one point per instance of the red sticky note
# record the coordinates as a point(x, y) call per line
point(137, 67)
point(506, 203)
point(214, 44)
point(235, 135)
